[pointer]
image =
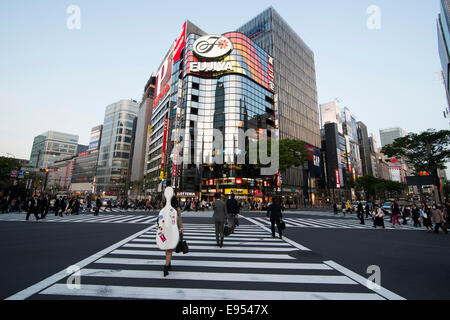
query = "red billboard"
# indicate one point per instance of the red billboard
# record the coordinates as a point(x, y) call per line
point(179, 44)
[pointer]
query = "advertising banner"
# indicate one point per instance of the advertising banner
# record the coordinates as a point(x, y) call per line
point(179, 45)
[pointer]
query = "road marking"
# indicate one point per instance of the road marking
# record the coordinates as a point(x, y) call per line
point(218, 276)
point(206, 254)
point(293, 243)
point(227, 247)
point(24, 294)
point(179, 262)
point(360, 279)
point(200, 294)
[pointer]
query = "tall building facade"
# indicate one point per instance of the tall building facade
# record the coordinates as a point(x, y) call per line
point(443, 31)
point(52, 146)
point(296, 88)
point(115, 147)
point(142, 132)
point(364, 149)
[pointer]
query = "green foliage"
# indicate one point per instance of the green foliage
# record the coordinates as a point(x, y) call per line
point(6, 165)
point(427, 151)
point(376, 186)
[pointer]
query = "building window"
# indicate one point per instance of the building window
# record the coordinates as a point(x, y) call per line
point(194, 98)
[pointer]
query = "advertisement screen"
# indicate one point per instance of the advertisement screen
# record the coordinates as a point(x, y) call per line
point(163, 78)
point(246, 58)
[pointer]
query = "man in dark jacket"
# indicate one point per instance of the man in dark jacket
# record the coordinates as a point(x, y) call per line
point(360, 210)
point(275, 216)
point(33, 208)
point(45, 203)
point(233, 211)
point(98, 204)
point(220, 216)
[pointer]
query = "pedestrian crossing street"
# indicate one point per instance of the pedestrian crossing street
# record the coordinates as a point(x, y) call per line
point(333, 224)
point(251, 266)
point(101, 218)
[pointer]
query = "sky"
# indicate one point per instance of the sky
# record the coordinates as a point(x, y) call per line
point(56, 78)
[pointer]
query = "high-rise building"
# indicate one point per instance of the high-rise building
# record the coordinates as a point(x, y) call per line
point(84, 172)
point(142, 132)
point(115, 147)
point(443, 31)
point(295, 87)
point(388, 136)
point(52, 146)
point(364, 148)
point(331, 113)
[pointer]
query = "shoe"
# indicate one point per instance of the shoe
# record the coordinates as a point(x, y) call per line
point(166, 271)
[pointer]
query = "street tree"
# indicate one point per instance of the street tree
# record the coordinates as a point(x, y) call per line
point(427, 151)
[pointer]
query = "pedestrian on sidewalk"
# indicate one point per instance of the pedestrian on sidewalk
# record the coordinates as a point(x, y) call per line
point(44, 205)
point(335, 208)
point(367, 210)
point(405, 214)
point(361, 212)
point(33, 208)
point(415, 212)
point(395, 214)
point(220, 217)
point(98, 204)
point(275, 216)
point(169, 253)
point(426, 217)
point(437, 217)
point(233, 211)
point(378, 217)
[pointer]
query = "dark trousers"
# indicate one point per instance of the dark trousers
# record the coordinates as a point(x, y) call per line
point(278, 223)
point(44, 213)
point(97, 209)
point(361, 217)
point(32, 212)
point(440, 225)
point(220, 226)
point(416, 222)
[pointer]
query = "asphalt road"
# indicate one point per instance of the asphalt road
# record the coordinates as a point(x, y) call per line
point(414, 264)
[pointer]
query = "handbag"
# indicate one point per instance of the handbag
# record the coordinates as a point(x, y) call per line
point(226, 230)
point(282, 225)
point(182, 246)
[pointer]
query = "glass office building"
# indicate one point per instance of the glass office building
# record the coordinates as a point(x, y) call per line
point(115, 147)
point(295, 84)
point(52, 146)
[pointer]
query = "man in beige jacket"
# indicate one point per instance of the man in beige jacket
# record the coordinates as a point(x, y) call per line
point(437, 217)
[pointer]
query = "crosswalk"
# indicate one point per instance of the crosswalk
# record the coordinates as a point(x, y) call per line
point(102, 218)
point(251, 266)
point(333, 224)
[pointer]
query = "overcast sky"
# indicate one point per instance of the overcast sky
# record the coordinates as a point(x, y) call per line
point(54, 78)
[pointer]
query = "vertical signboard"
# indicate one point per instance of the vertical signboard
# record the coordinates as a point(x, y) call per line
point(163, 162)
point(179, 45)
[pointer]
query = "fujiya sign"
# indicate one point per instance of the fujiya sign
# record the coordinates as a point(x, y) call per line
point(210, 66)
point(212, 47)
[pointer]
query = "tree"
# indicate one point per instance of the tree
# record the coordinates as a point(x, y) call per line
point(376, 187)
point(427, 151)
point(6, 165)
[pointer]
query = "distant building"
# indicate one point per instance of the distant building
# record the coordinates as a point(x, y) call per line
point(443, 31)
point(52, 146)
point(388, 136)
point(82, 148)
point(115, 147)
point(364, 149)
point(142, 135)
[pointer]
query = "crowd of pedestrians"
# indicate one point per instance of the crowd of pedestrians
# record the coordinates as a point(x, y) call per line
point(432, 217)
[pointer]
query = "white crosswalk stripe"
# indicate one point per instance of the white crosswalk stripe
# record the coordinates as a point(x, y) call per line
point(251, 266)
point(333, 224)
point(102, 218)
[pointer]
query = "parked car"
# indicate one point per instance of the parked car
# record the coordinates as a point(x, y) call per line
point(387, 207)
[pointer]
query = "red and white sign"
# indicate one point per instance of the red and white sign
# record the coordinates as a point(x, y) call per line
point(338, 179)
point(164, 144)
point(164, 76)
point(211, 182)
point(179, 44)
point(238, 181)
